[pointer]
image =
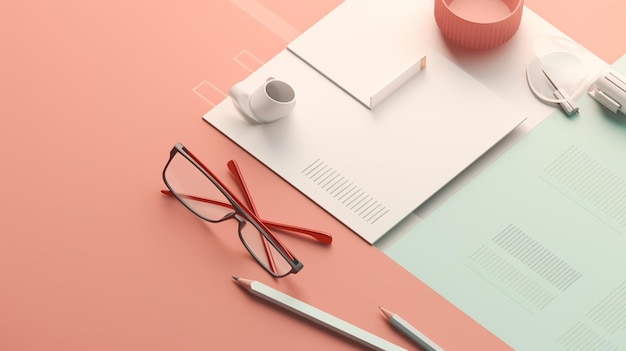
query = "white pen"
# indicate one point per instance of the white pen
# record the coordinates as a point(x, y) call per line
point(407, 329)
point(567, 105)
point(316, 315)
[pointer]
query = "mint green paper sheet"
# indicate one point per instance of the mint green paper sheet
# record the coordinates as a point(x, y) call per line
point(534, 248)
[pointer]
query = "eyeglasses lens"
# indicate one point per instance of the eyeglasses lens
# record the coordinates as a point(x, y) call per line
point(206, 200)
point(263, 251)
point(195, 190)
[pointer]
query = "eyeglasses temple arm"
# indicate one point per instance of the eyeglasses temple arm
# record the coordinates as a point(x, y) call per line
point(322, 237)
point(236, 173)
point(233, 167)
point(317, 235)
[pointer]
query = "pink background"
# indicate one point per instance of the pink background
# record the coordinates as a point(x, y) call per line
point(92, 257)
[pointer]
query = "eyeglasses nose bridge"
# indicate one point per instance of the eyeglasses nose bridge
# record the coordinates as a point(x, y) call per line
point(242, 221)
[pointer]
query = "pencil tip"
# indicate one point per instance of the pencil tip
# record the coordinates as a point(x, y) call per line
point(386, 312)
point(246, 283)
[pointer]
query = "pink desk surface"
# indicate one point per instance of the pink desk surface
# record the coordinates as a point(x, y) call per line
point(92, 97)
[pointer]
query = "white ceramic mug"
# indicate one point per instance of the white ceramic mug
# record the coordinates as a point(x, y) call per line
point(274, 99)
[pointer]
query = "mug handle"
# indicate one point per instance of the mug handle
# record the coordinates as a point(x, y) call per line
point(240, 96)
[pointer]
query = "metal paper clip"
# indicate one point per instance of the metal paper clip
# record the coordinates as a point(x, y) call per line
point(610, 90)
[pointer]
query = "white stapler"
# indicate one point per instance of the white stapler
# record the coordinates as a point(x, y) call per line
point(610, 90)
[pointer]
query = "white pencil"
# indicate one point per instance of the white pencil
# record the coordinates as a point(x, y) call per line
point(316, 315)
point(399, 323)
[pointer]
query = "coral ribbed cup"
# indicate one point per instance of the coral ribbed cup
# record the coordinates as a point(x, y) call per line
point(479, 25)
